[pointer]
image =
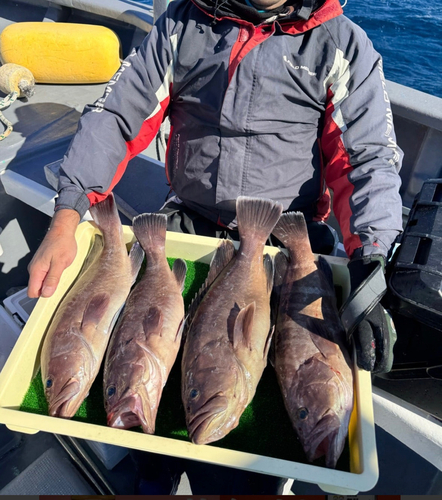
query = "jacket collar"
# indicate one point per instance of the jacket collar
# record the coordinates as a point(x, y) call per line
point(328, 10)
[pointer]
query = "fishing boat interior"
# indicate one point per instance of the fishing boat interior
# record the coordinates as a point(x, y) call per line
point(407, 402)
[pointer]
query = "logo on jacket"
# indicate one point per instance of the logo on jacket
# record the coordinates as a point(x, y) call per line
point(99, 103)
point(304, 68)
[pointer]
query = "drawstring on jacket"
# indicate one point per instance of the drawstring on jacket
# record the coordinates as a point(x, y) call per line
point(306, 9)
point(218, 5)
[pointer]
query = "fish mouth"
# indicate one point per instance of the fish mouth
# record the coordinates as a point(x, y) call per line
point(129, 412)
point(62, 405)
point(326, 439)
point(200, 425)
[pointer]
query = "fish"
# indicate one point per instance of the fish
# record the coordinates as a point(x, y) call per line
point(229, 333)
point(77, 337)
point(147, 338)
point(309, 351)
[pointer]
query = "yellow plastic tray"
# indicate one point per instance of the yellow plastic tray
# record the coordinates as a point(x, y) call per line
point(23, 364)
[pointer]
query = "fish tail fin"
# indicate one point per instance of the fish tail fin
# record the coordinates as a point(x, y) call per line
point(291, 230)
point(150, 231)
point(105, 215)
point(256, 217)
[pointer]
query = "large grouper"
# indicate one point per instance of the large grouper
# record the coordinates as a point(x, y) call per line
point(79, 332)
point(147, 337)
point(229, 331)
point(310, 354)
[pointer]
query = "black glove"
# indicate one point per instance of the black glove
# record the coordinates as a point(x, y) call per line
point(365, 319)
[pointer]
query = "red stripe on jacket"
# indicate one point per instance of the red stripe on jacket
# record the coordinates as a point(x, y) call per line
point(323, 205)
point(249, 36)
point(336, 176)
point(145, 136)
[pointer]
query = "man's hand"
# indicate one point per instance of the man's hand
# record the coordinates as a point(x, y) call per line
point(55, 253)
point(364, 318)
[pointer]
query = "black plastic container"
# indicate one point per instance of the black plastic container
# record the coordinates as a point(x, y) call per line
point(415, 278)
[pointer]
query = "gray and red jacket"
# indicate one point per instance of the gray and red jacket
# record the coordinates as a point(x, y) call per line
point(285, 110)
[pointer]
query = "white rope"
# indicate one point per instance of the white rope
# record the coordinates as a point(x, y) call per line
point(345, 3)
point(4, 103)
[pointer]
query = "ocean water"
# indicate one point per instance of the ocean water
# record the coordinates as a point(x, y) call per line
point(408, 34)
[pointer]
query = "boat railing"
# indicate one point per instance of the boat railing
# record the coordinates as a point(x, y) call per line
point(417, 119)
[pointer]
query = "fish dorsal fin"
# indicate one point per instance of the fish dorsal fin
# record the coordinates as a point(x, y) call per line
point(326, 269)
point(136, 256)
point(94, 252)
point(153, 322)
point(179, 270)
point(180, 330)
point(269, 270)
point(268, 342)
point(242, 330)
point(95, 310)
point(281, 263)
point(222, 256)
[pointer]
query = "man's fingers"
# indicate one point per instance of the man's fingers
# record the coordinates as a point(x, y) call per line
point(36, 278)
point(365, 346)
point(52, 279)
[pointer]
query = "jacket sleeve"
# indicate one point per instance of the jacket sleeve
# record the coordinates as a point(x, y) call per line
point(121, 123)
point(359, 144)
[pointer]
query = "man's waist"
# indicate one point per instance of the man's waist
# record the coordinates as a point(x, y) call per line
point(224, 213)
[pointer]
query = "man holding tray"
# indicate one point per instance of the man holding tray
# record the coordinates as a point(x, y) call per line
point(280, 100)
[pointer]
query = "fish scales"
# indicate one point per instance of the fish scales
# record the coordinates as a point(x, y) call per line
point(78, 335)
point(147, 338)
point(226, 346)
point(310, 355)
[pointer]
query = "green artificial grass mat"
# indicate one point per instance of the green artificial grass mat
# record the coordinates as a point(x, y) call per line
point(264, 428)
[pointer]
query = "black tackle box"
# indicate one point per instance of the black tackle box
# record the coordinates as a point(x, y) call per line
point(415, 277)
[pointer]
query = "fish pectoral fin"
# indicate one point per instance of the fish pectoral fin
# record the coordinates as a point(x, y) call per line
point(136, 256)
point(243, 328)
point(153, 322)
point(179, 270)
point(95, 310)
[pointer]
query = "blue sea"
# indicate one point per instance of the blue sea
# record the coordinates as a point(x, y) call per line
point(408, 34)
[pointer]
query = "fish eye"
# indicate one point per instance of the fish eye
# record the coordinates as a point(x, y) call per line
point(111, 390)
point(302, 413)
point(194, 393)
point(48, 383)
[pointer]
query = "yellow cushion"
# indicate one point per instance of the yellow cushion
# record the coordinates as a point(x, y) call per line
point(62, 52)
